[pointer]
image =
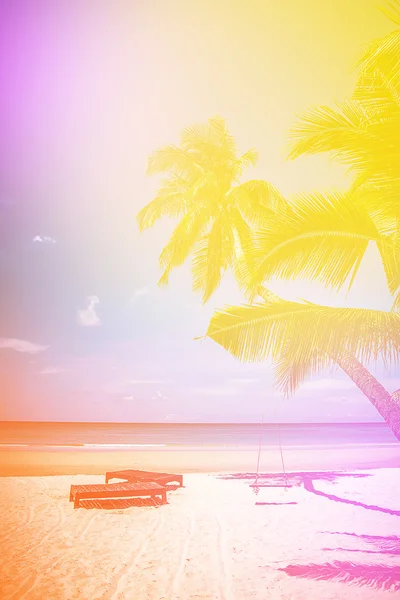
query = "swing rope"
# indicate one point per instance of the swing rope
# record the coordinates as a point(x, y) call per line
point(255, 486)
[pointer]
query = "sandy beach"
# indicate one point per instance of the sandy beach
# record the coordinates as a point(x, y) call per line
point(214, 540)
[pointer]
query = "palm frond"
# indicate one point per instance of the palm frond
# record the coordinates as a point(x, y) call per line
point(324, 129)
point(211, 257)
point(184, 237)
point(389, 248)
point(174, 160)
point(248, 159)
point(257, 200)
point(377, 576)
point(384, 54)
point(305, 335)
point(378, 93)
point(291, 371)
point(323, 237)
point(392, 11)
point(170, 201)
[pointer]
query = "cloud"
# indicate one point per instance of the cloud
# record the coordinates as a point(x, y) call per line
point(128, 398)
point(159, 396)
point(21, 346)
point(52, 371)
point(138, 293)
point(244, 380)
point(215, 390)
point(144, 381)
point(43, 239)
point(88, 316)
point(328, 384)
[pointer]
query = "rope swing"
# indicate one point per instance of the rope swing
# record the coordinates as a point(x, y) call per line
point(255, 486)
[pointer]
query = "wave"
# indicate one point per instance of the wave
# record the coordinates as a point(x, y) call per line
point(68, 445)
point(215, 444)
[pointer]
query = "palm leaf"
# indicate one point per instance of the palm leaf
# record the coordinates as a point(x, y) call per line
point(324, 129)
point(248, 159)
point(169, 201)
point(392, 11)
point(389, 248)
point(174, 160)
point(257, 200)
point(383, 53)
point(380, 577)
point(324, 237)
point(305, 336)
point(184, 237)
point(211, 257)
point(377, 92)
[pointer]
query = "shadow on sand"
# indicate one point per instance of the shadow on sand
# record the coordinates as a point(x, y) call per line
point(377, 576)
point(120, 503)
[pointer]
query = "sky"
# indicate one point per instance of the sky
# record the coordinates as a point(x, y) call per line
point(92, 88)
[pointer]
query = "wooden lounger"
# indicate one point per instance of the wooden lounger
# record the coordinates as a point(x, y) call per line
point(132, 475)
point(116, 490)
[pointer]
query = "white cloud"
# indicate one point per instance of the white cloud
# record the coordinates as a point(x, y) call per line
point(159, 396)
point(328, 384)
point(128, 398)
point(43, 239)
point(21, 346)
point(144, 381)
point(88, 316)
point(244, 380)
point(51, 371)
point(138, 293)
point(215, 390)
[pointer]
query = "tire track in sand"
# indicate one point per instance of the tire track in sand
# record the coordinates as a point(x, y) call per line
point(60, 521)
point(32, 580)
point(225, 585)
point(176, 581)
point(117, 582)
point(90, 522)
point(28, 518)
point(29, 514)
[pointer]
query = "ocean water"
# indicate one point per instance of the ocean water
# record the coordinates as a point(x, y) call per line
point(125, 435)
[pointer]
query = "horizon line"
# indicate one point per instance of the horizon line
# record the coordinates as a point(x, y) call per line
point(199, 422)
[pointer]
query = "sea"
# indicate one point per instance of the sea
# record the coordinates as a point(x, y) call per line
point(109, 436)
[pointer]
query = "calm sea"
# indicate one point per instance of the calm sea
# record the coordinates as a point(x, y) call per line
point(120, 435)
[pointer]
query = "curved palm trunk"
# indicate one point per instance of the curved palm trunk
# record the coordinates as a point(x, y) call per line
point(388, 406)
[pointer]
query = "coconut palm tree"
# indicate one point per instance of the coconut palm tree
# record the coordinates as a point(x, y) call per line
point(216, 211)
point(304, 338)
point(364, 132)
point(324, 237)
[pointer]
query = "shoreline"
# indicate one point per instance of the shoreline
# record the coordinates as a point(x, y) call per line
point(23, 461)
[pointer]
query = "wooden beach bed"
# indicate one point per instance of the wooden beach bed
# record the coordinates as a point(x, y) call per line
point(116, 490)
point(134, 476)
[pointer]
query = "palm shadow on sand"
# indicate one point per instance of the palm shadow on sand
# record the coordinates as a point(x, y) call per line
point(389, 545)
point(377, 576)
point(306, 479)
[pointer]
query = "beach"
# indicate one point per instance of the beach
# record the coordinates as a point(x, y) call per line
point(214, 539)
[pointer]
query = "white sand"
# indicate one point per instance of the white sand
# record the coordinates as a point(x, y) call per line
point(210, 542)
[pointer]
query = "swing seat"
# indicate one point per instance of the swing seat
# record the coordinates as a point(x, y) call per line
point(275, 485)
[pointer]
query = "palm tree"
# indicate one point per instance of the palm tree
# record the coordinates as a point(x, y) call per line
point(324, 237)
point(364, 132)
point(304, 338)
point(216, 212)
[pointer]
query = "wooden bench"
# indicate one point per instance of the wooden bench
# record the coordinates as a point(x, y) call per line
point(133, 476)
point(116, 490)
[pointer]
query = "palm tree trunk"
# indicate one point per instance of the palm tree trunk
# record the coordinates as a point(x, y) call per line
point(388, 406)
